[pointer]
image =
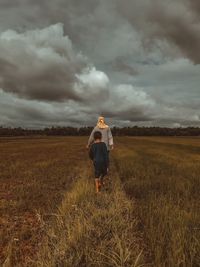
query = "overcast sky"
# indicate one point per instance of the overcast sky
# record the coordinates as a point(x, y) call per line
point(65, 62)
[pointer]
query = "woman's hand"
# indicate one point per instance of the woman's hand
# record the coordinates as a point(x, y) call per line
point(111, 147)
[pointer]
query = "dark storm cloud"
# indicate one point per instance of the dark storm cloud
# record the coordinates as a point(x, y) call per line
point(42, 65)
point(15, 111)
point(9, 3)
point(195, 5)
point(173, 21)
point(131, 67)
point(120, 65)
point(131, 115)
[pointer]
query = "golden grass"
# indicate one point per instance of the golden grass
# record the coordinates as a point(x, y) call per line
point(58, 218)
point(93, 229)
point(148, 216)
point(164, 179)
point(35, 173)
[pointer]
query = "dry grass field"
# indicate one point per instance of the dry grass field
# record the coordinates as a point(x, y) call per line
point(148, 214)
point(162, 175)
point(34, 175)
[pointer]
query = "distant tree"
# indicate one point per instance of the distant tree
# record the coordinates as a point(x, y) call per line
point(85, 131)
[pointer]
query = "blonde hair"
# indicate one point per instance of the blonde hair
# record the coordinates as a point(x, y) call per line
point(101, 123)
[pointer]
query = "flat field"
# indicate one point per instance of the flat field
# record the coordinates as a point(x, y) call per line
point(147, 215)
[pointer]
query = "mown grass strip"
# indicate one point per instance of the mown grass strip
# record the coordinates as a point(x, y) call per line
point(93, 230)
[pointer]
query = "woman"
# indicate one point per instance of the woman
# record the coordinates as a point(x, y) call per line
point(107, 137)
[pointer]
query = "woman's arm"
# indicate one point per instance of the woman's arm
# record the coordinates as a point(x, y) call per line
point(110, 138)
point(91, 138)
point(105, 154)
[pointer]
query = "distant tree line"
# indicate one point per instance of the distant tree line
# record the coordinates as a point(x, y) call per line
point(84, 131)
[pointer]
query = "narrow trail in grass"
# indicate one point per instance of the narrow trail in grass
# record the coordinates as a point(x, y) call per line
point(93, 229)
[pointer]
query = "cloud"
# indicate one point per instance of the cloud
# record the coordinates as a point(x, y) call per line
point(172, 21)
point(120, 65)
point(133, 61)
point(15, 111)
point(40, 64)
point(176, 22)
point(128, 103)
